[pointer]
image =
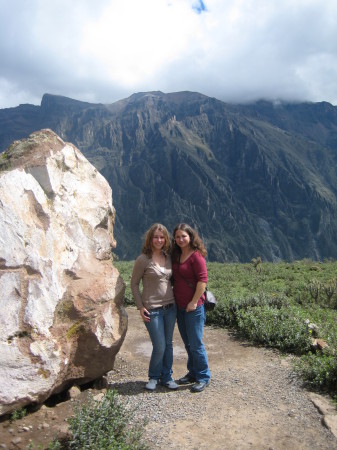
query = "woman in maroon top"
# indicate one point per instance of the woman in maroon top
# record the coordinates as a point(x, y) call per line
point(190, 279)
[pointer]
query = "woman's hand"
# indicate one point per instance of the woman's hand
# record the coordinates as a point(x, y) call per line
point(191, 306)
point(145, 315)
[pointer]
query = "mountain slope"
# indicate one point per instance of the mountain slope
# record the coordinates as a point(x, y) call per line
point(256, 180)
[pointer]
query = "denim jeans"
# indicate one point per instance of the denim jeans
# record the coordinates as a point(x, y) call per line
point(160, 329)
point(191, 328)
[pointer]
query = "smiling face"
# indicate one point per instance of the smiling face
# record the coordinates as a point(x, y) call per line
point(158, 240)
point(182, 239)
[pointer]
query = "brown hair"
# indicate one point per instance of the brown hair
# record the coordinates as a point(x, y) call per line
point(196, 242)
point(147, 246)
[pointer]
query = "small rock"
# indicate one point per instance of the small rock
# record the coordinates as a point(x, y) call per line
point(74, 392)
point(323, 404)
point(99, 397)
point(330, 421)
point(321, 344)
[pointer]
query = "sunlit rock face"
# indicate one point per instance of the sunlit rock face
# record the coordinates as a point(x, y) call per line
point(62, 319)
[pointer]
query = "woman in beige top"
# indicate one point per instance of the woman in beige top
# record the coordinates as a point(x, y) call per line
point(156, 303)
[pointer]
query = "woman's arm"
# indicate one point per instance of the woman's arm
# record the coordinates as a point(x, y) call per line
point(136, 277)
point(199, 290)
point(200, 272)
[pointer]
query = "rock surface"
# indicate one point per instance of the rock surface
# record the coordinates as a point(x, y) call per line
point(61, 314)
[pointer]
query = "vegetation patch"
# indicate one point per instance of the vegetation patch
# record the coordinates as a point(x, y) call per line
point(44, 373)
point(65, 309)
point(5, 163)
point(18, 414)
point(105, 424)
point(75, 329)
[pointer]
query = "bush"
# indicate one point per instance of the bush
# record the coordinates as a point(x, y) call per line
point(320, 370)
point(275, 328)
point(105, 425)
point(228, 314)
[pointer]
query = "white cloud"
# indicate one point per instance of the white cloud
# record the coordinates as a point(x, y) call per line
point(130, 42)
point(12, 95)
point(235, 50)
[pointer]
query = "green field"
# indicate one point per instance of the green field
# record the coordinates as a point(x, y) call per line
point(280, 305)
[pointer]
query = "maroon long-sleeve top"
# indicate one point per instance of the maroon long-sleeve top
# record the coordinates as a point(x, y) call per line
point(186, 275)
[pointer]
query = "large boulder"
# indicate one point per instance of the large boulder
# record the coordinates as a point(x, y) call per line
point(62, 319)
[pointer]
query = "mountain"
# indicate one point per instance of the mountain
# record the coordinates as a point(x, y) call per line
point(255, 180)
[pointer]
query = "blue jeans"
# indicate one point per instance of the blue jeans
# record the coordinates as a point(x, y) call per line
point(160, 329)
point(191, 328)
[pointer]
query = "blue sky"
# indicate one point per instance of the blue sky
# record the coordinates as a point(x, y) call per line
point(103, 51)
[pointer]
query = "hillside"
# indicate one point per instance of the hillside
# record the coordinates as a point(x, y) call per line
point(256, 180)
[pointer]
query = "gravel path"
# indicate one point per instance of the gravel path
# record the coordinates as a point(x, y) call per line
point(254, 400)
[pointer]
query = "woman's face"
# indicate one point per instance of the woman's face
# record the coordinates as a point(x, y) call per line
point(158, 240)
point(182, 238)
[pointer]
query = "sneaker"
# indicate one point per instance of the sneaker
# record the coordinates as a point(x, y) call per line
point(187, 379)
point(151, 385)
point(171, 384)
point(199, 386)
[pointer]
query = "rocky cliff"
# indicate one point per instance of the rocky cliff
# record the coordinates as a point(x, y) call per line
point(256, 180)
point(61, 314)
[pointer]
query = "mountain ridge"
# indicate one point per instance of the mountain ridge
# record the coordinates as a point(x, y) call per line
point(255, 180)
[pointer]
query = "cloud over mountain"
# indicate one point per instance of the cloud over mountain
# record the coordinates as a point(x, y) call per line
point(236, 51)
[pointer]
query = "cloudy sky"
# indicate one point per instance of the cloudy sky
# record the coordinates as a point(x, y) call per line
point(106, 50)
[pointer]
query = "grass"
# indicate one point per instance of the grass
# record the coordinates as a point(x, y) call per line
point(280, 305)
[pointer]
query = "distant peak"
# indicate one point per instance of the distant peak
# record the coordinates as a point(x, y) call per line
point(52, 101)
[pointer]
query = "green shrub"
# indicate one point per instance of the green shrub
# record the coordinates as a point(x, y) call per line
point(219, 316)
point(55, 445)
point(228, 314)
point(320, 370)
point(275, 328)
point(105, 425)
point(18, 414)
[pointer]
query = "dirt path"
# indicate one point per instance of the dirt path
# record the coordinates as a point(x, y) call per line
point(253, 402)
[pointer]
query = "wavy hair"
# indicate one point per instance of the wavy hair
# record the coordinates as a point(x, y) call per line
point(196, 242)
point(147, 246)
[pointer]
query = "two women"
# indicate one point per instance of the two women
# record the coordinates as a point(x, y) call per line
point(157, 306)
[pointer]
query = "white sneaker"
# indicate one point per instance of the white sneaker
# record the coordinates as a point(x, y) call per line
point(171, 385)
point(151, 385)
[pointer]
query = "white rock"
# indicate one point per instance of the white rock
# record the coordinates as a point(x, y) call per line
point(61, 314)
